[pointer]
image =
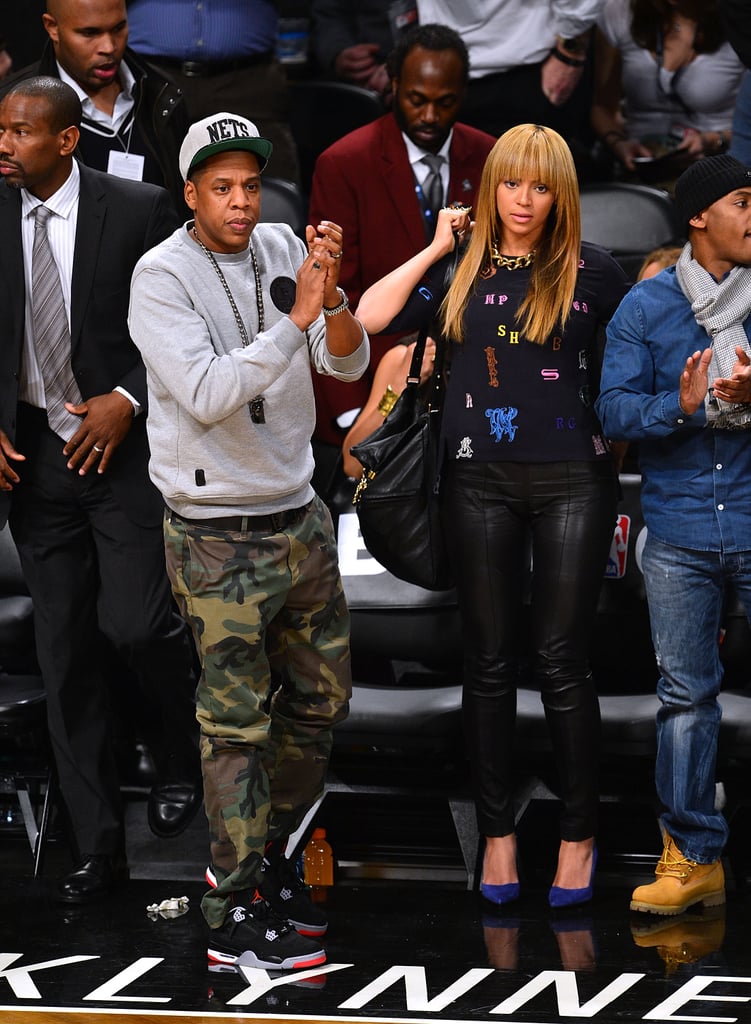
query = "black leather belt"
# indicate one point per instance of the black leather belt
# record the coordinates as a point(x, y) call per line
point(207, 68)
point(272, 523)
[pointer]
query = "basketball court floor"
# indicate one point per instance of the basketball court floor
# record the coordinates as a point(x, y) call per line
point(407, 940)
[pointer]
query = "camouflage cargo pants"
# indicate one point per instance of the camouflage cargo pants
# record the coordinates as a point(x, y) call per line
point(271, 627)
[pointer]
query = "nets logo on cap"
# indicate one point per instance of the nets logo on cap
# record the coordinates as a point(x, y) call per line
point(219, 133)
point(228, 128)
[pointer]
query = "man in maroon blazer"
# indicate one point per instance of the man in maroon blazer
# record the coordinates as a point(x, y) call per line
point(376, 184)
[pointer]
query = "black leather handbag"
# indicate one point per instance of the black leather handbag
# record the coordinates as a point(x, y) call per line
point(396, 499)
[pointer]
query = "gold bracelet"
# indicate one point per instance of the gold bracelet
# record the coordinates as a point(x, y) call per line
point(388, 401)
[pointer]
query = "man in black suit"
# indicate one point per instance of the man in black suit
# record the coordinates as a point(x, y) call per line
point(83, 513)
point(134, 117)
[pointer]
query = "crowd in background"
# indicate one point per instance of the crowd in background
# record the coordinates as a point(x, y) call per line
point(649, 84)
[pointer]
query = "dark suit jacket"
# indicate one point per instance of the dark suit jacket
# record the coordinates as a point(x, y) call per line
point(118, 221)
point(364, 183)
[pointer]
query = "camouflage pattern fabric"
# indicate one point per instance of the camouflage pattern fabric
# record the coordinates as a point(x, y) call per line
point(271, 626)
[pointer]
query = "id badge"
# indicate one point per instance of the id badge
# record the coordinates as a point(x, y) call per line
point(125, 165)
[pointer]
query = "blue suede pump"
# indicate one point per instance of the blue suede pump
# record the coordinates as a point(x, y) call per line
point(560, 897)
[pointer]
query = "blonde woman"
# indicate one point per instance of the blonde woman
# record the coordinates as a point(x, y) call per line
point(526, 466)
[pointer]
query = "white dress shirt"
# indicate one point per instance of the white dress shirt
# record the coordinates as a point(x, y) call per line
point(421, 170)
point(124, 103)
point(504, 34)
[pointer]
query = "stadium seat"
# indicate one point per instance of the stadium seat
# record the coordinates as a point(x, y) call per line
point(628, 219)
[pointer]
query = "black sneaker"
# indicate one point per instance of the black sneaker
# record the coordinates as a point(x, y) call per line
point(254, 936)
point(283, 888)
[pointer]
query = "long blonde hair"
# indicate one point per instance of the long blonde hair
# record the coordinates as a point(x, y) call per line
point(525, 151)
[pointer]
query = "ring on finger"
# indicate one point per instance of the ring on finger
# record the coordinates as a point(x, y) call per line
point(316, 265)
point(100, 450)
point(338, 255)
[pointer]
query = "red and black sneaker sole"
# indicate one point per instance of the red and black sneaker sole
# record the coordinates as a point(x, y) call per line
point(249, 959)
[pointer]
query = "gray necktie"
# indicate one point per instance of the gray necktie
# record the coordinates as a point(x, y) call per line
point(432, 187)
point(51, 332)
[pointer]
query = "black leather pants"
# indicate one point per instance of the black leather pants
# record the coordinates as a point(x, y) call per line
point(492, 512)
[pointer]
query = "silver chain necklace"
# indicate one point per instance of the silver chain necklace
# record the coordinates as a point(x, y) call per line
point(255, 404)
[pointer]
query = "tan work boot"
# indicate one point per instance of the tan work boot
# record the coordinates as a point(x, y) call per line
point(680, 884)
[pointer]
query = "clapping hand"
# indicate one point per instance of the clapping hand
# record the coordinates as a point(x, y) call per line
point(694, 381)
point(736, 388)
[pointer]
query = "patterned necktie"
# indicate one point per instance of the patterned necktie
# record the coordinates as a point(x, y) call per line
point(432, 188)
point(51, 332)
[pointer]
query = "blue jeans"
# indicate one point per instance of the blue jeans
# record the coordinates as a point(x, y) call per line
point(686, 591)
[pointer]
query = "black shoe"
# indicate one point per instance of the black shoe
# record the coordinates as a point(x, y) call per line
point(96, 876)
point(254, 936)
point(288, 895)
point(172, 806)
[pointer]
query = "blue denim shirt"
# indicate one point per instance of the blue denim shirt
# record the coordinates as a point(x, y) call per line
point(696, 481)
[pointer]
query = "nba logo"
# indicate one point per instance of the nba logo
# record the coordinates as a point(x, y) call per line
point(616, 565)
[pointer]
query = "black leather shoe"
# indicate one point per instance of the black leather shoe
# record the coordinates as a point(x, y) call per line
point(172, 807)
point(96, 876)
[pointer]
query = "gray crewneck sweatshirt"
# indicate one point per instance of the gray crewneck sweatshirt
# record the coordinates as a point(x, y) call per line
point(208, 458)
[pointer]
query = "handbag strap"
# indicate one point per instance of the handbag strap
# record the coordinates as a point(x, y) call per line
point(436, 380)
point(435, 391)
point(413, 377)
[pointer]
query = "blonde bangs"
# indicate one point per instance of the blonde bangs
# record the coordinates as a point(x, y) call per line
point(528, 153)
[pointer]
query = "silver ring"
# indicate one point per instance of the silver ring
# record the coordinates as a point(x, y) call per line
point(316, 265)
point(100, 450)
point(338, 255)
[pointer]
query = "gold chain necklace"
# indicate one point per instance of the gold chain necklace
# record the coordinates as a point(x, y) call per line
point(511, 262)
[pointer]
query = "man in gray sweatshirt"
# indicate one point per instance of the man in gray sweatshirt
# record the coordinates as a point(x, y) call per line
point(229, 316)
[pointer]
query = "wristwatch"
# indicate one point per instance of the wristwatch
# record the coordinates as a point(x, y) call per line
point(336, 310)
point(575, 45)
point(573, 62)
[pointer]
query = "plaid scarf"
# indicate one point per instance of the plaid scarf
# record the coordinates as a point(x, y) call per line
point(720, 309)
